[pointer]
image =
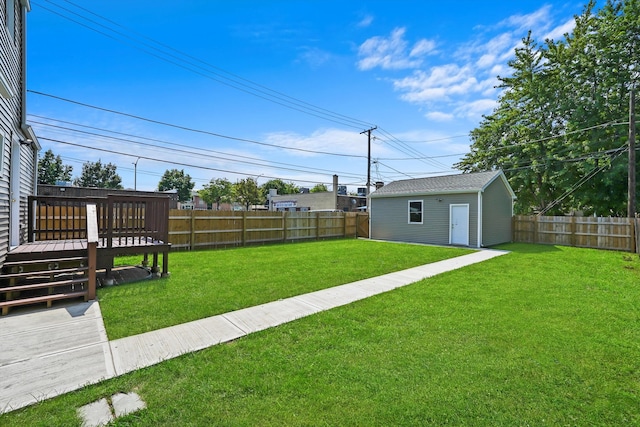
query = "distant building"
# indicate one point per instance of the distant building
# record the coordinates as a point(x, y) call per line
point(325, 200)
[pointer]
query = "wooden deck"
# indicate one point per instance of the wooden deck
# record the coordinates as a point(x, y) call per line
point(70, 238)
point(126, 225)
point(46, 249)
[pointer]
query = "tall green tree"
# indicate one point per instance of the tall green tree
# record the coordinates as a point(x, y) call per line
point(218, 191)
point(98, 175)
point(247, 193)
point(598, 66)
point(51, 169)
point(175, 179)
point(561, 116)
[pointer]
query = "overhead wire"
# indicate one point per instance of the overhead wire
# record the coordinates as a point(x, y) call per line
point(168, 161)
point(581, 182)
point(400, 146)
point(206, 70)
point(234, 81)
point(267, 163)
point(188, 129)
point(260, 91)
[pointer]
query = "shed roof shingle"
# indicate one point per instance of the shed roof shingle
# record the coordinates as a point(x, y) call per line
point(460, 183)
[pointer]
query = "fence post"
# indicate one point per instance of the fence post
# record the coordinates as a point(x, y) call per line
point(317, 225)
point(284, 226)
point(244, 228)
point(344, 219)
point(192, 229)
point(572, 229)
point(535, 229)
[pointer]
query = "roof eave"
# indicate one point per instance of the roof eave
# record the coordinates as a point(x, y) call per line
point(423, 193)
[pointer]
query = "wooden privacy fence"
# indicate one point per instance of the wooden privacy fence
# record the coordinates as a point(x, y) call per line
point(194, 229)
point(587, 232)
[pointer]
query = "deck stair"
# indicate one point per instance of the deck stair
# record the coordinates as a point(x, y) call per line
point(25, 282)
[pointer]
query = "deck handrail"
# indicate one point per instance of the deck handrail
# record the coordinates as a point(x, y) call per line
point(117, 217)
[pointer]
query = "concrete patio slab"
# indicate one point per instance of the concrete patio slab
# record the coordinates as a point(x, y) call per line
point(95, 414)
point(126, 403)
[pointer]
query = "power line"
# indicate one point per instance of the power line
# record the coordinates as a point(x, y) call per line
point(165, 160)
point(222, 76)
point(234, 81)
point(581, 182)
point(185, 128)
point(254, 161)
point(399, 145)
point(207, 70)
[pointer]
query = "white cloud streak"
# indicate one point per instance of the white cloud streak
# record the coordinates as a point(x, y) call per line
point(393, 52)
point(463, 86)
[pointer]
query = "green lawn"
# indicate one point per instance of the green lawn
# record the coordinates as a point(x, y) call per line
point(206, 283)
point(542, 336)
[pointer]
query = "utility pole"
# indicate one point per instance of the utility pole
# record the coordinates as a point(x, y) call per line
point(631, 193)
point(368, 132)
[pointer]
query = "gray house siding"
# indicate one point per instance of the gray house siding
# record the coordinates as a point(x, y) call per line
point(12, 122)
point(389, 218)
point(497, 212)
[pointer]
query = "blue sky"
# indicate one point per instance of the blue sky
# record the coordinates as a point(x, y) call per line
point(272, 89)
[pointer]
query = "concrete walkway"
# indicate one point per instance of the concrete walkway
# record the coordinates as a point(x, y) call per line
point(45, 353)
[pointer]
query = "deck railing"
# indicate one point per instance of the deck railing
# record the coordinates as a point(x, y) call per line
point(120, 219)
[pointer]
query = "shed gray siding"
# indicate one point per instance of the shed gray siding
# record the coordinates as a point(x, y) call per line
point(497, 210)
point(389, 218)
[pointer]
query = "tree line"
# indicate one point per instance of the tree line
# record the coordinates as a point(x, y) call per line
point(246, 192)
point(561, 125)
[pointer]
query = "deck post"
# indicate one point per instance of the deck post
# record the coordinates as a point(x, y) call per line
point(165, 264)
point(92, 249)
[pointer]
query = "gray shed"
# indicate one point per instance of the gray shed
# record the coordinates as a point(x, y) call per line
point(471, 209)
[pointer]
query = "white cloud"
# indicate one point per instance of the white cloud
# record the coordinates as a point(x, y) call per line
point(393, 53)
point(464, 86)
point(439, 84)
point(559, 31)
point(366, 21)
point(314, 57)
point(439, 116)
point(330, 140)
point(529, 21)
point(423, 47)
point(475, 109)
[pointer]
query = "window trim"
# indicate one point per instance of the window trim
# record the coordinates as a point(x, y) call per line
point(421, 212)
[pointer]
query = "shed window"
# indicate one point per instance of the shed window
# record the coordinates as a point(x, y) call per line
point(415, 211)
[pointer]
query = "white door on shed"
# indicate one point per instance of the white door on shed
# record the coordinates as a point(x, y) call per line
point(459, 225)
